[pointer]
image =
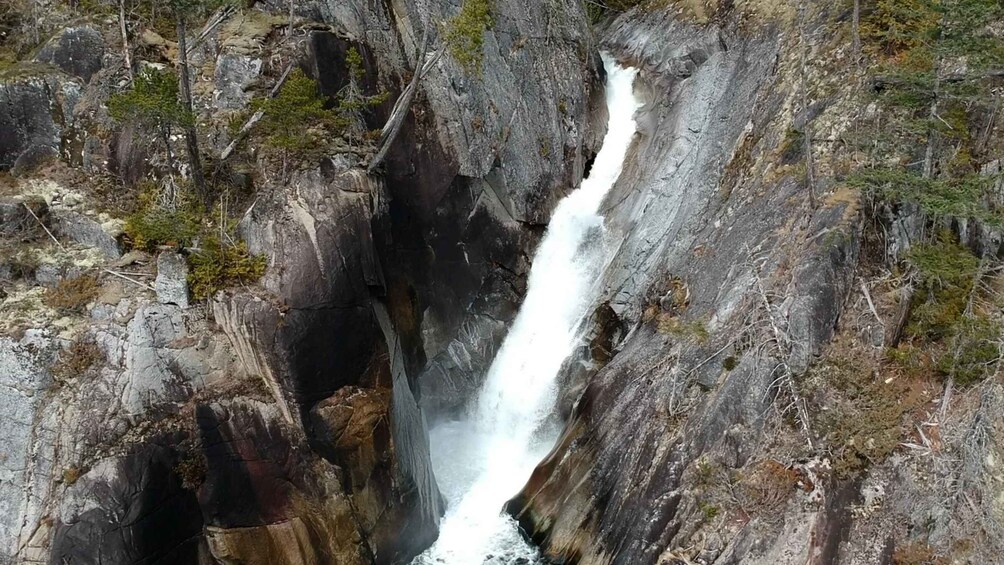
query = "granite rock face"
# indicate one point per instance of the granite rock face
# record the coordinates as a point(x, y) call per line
point(688, 440)
point(172, 279)
point(78, 51)
point(26, 119)
point(286, 422)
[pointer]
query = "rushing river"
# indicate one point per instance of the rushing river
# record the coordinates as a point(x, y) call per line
point(482, 461)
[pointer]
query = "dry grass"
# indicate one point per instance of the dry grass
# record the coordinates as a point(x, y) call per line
point(71, 475)
point(70, 296)
point(77, 359)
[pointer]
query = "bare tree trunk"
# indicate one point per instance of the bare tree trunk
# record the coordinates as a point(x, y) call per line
point(171, 197)
point(810, 174)
point(125, 40)
point(932, 134)
point(256, 117)
point(856, 29)
point(292, 5)
point(393, 126)
point(191, 136)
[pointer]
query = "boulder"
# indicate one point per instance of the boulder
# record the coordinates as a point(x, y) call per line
point(172, 279)
point(85, 231)
point(33, 159)
point(26, 119)
point(78, 51)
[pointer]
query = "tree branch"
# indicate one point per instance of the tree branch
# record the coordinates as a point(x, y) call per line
point(401, 108)
point(246, 128)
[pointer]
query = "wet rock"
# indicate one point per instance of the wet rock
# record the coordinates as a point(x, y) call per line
point(78, 51)
point(172, 279)
point(265, 496)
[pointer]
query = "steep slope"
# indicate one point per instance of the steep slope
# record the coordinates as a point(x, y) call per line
point(718, 423)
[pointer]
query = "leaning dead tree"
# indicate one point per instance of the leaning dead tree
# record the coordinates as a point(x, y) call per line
point(124, 31)
point(392, 128)
point(783, 378)
point(257, 116)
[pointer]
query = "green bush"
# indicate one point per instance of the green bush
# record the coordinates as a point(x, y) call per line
point(946, 312)
point(973, 351)
point(154, 224)
point(217, 266)
point(939, 198)
point(947, 272)
point(465, 34)
point(294, 121)
point(152, 102)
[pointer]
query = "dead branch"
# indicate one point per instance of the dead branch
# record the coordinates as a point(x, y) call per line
point(248, 125)
point(871, 305)
point(894, 333)
point(783, 348)
point(125, 40)
point(214, 22)
point(403, 105)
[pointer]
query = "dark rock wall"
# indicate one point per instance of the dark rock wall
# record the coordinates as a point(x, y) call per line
point(135, 510)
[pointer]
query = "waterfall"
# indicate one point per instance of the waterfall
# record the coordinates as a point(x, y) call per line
point(484, 460)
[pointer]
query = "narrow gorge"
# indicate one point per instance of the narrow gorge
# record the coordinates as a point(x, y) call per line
point(485, 457)
point(501, 282)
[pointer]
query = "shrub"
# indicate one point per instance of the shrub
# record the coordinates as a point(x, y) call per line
point(72, 474)
point(69, 296)
point(947, 271)
point(217, 266)
point(192, 471)
point(352, 101)
point(897, 26)
point(293, 122)
point(974, 351)
point(939, 198)
point(157, 225)
point(465, 34)
point(864, 424)
point(77, 359)
point(153, 102)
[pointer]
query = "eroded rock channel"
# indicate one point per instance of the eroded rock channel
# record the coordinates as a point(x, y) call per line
point(500, 282)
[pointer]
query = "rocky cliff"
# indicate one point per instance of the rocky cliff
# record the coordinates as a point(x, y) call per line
point(756, 384)
point(283, 423)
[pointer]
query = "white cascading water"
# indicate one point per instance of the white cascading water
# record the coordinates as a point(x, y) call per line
point(486, 459)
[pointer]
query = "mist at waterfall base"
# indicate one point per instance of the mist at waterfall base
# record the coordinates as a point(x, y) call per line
point(482, 461)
